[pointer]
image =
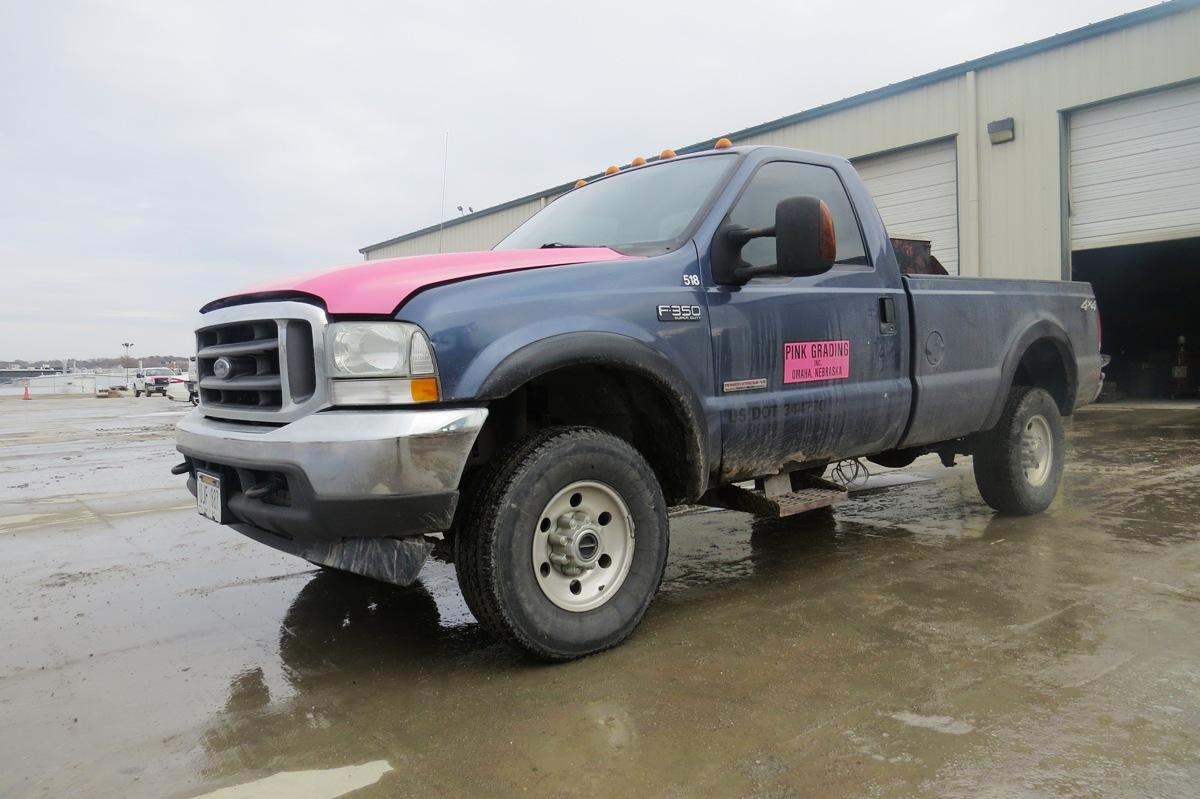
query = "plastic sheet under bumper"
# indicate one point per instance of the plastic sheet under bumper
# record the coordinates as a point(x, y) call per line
point(392, 560)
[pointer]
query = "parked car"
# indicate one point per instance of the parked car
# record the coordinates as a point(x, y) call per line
point(153, 380)
point(651, 338)
point(177, 389)
point(193, 380)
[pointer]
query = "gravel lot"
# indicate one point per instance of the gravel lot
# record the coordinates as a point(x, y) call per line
point(909, 644)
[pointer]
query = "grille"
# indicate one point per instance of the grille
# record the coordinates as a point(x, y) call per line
point(273, 363)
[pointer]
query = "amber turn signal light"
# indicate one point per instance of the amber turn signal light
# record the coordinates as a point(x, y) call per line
point(425, 389)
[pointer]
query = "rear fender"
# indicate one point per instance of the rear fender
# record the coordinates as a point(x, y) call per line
point(1042, 329)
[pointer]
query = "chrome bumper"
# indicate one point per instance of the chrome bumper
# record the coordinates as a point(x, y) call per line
point(346, 454)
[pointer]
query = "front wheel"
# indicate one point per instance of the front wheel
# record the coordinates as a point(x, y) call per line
point(1019, 462)
point(563, 546)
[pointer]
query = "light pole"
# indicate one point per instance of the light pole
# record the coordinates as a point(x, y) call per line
point(128, 345)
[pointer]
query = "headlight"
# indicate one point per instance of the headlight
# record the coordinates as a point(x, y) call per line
point(396, 351)
point(378, 349)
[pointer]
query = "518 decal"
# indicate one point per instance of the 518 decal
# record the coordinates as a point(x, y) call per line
point(691, 280)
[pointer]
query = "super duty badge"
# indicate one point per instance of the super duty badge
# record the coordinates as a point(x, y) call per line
point(679, 313)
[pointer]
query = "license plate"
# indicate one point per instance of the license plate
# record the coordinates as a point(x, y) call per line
point(208, 495)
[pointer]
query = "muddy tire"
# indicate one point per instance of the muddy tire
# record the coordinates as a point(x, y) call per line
point(1019, 462)
point(562, 547)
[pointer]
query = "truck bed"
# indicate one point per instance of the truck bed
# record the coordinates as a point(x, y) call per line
point(967, 334)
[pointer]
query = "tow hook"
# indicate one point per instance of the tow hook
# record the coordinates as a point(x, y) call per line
point(259, 490)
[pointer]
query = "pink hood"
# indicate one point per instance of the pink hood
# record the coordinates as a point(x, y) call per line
point(379, 287)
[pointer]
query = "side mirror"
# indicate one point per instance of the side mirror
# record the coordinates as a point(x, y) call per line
point(805, 243)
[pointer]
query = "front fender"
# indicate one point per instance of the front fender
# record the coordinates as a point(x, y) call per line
point(481, 370)
point(493, 333)
point(608, 349)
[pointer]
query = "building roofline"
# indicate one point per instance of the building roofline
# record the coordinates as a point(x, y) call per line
point(1089, 31)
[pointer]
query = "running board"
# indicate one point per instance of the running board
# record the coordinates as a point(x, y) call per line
point(808, 493)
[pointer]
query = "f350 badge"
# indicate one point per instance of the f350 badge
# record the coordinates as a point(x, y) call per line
point(679, 313)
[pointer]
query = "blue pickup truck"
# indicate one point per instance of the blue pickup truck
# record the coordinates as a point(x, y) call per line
point(659, 336)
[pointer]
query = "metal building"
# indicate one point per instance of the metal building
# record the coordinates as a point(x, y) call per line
point(1073, 156)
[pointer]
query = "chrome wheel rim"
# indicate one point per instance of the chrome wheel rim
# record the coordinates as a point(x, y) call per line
point(582, 546)
point(1037, 450)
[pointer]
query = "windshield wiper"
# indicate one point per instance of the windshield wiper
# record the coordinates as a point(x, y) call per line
point(554, 245)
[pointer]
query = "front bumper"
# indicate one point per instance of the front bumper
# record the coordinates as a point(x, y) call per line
point(337, 474)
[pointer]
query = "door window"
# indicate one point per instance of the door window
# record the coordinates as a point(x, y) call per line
point(779, 180)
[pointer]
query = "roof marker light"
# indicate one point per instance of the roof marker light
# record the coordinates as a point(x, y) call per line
point(722, 143)
point(667, 153)
point(612, 170)
point(638, 161)
point(579, 184)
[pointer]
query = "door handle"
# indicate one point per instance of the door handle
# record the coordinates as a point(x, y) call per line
point(887, 316)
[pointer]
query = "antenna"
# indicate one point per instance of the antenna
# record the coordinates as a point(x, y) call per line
point(442, 206)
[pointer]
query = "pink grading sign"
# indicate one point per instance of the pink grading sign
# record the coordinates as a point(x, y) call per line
point(805, 361)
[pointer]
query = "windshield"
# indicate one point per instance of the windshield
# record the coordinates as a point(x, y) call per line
point(648, 207)
point(157, 371)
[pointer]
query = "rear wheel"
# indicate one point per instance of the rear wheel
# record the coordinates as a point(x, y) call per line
point(1019, 462)
point(563, 547)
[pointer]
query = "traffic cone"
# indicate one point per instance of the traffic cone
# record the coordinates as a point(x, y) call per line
point(26, 391)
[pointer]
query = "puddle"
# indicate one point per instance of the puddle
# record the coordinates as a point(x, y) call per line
point(322, 784)
point(943, 724)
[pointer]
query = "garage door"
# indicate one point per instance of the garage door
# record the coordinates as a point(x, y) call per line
point(916, 190)
point(1135, 170)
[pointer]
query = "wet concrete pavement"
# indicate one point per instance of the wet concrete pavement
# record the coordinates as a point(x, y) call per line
point(909, 644)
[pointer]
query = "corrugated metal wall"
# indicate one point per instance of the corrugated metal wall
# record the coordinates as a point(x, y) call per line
point(1022, 184)
point(1010, 196)
point(476, 234)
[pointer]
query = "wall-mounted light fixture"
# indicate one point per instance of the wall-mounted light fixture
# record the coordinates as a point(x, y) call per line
point(1001, 130)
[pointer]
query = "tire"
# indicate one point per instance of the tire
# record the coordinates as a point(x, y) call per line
point(136, 393)
point(503, 530)
point(1019, 462)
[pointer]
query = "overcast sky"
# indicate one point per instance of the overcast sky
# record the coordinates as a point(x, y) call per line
point(155, 155)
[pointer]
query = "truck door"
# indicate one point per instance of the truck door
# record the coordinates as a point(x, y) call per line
point(808, 368)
